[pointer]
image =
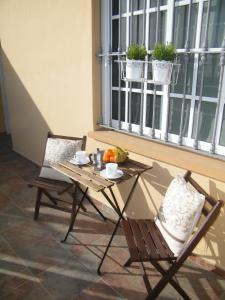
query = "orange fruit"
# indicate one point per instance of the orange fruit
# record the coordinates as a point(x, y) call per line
point(112, 159)
point(105, 157)
point(108, 152)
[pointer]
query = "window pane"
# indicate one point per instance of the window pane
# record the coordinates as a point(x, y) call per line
point(123, 6)
point(178, 88)
point(123, 34)
point(211, 76)
point(216, 30)
point(180, 25)
point(175, 116)
point(115, 74)
point(137, 32)
point(206, 121)
point(137, 4)
point(153, 3)
point(135, 108)
point(149, 110)
point(115, 105)
point(115, 28)
point(222, 134)
point(115, 7)
point(115, 33)
point(152, 28)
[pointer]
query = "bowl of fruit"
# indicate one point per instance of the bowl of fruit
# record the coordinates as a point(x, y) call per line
point(115, 155)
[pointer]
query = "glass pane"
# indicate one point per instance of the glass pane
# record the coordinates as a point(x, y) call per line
point(149, 110)
point(152, 28)
point(123, 6)
point(115, 28)
point(138, 4)
point(180, 25)
point(115, 74)
point(135, 108)
point(115, 33)
point(115, 7)
point(222, 134)
point(115, 105)
point(178, 88)
point(175, 116)
point(137, 30)
point(123, 34)
point(206, 121)
point(216, 30)
point(153, 3)
point(211, 76)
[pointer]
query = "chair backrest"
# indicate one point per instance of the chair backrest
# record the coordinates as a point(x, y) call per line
point(210, 212)
point(61, 137)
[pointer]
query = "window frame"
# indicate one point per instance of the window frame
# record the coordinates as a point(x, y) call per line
point(107, 88)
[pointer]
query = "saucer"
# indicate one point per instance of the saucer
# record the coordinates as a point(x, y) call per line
point(118, 174)
point(80, 163)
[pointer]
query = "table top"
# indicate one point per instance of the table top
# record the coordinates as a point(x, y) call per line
point(87, 176)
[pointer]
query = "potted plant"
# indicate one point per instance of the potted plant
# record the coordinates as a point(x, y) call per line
point(163, 56)
point(134, 62)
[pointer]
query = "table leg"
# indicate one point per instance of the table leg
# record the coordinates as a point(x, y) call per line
point(118, 222)
point(74, 213)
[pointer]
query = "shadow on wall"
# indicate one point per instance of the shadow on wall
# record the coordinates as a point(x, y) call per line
point(216, 234)
point(28, 127)
point(143, 204)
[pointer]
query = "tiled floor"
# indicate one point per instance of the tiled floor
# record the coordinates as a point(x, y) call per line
point(35, 265)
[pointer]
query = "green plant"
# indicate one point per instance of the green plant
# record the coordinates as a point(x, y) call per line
point(136, 52)
point(164, 52)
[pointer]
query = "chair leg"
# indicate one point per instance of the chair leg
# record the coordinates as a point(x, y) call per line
point(166, 278)
point(145, 277)
point(38, 203)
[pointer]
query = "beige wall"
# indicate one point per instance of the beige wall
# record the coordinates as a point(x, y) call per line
point(47, 59)
point(52, 83)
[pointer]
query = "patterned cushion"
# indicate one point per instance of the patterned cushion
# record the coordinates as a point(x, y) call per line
point(49, 173)
point(179, 213)
point(60, 149)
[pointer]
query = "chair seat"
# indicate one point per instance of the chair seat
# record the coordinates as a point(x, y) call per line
point(49, 184)
point(145, 242)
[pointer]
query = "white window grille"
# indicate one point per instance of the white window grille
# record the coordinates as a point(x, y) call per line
point(192, 112)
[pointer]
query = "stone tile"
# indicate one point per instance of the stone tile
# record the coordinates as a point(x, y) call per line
point(8, 222)
point(5, 203)
point(98, 291)
point(13, 273)
point(28, 291)
point(90, 256)
point(68, 279)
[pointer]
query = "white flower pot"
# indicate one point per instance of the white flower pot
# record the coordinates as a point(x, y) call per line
point(162, 71)
point(134, 69)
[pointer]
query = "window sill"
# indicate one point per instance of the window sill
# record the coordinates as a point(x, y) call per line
point(207, 166)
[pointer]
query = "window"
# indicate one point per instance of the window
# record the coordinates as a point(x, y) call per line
point(190, 113)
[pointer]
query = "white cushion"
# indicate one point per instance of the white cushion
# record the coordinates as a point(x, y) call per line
point(60, 149)
point(49, 173)
point(179, 213)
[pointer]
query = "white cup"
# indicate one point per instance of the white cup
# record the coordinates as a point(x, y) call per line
point(80, 156)
point(111, 169)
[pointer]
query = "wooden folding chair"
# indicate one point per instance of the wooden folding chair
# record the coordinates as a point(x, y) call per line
point(59, 184)
point(146, 244)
